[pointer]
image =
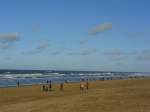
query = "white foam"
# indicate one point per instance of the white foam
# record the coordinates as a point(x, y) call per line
point(16, 76)
point(7, 77)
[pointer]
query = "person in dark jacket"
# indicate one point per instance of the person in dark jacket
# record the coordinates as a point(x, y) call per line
point(87, 84)
point(50, 86)
point(18, 84)
point(61, 86)
point(43, 87)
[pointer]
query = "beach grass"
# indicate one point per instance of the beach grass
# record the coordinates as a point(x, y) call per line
point(131, 95)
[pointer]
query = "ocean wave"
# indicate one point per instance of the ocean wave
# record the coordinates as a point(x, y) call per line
point(17, 76)
point(59, 75)
point(27, 76)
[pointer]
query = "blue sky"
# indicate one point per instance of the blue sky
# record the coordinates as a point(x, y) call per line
point(75, 35)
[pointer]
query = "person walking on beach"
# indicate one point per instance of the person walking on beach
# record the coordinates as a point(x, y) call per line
point(47, 81)
point(50, 86)
point(43, 87)
point(87, 84)
point(61, 86)
point(82, 86)
point(46, 88)
point(18, 84)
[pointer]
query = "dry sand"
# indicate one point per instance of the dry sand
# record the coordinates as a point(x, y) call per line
point(102, 96)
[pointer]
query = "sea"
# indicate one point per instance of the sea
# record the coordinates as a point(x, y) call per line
point(9, 78)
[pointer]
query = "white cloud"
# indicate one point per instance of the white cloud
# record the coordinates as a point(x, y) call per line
point(144, 55)
point(7, 40)
point(35, 28)
point(10, 37)
point(83, 40)
point(56, 53)
point(4, 46)
point(100, 28)
point(84, 52)
point(113, 52)
point(41, 48)
point(117, 54)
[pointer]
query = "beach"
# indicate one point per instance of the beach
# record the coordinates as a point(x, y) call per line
point(132, 95)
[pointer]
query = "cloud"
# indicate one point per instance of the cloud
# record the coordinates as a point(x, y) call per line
point(83, 40)
point(10, 37)
point(56, 53)
point(120, 64)
point(100, 28)
point(113, 52)
point(7, 58)
point(84, 52)
point(117, 58)
point(7, 40)
point(4, 46)
point(41, 48)
point(144, 55)
point(93, 31)
point(35, 28)
point(116, 54)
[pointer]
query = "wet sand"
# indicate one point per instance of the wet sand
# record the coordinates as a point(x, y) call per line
point(102, 96)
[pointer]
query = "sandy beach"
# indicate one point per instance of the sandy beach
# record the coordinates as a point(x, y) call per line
point(102, 96)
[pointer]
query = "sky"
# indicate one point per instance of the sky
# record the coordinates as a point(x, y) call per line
point(93, 35)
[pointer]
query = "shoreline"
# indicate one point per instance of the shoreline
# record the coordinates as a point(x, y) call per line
point(78, 81)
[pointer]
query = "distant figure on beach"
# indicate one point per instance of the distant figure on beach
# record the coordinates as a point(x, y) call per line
point(82, 86)
point(103, 79)
point(47, 81)
point(87, 84)
point(50, 85)
point(82, 80)
point(61, 86)
point(46, 88)
point(43, 87)
point(18, 84)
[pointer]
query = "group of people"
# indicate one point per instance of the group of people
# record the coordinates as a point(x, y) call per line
point(84, 85)
point(48, 86)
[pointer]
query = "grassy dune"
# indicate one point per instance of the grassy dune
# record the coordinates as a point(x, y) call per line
point(102, 96)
